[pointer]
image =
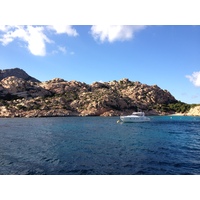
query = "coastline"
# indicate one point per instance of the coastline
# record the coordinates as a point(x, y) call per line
point(79, 115)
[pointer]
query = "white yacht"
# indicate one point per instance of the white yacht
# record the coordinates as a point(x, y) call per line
point(135, 117)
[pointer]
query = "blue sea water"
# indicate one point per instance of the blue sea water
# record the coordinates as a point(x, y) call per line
point(99, 145)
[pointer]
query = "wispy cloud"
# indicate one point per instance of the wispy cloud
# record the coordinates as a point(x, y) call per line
point(195, 96)
point(194, 78)
point(60, 29)
point(62, 49)
point(34, 37)
point(114, 33)
point(184, 94)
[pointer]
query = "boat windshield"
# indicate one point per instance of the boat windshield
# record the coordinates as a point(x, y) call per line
point(138, 113)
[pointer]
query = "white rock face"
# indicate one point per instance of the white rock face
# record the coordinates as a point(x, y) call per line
point(194, 111)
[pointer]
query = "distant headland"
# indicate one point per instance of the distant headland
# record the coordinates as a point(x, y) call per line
point(24, 96)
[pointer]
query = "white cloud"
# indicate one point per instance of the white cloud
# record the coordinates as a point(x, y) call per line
point(36, 40)
point(194, 78)
point(60, 29)
point(5, 36)
point(4, 27)
point(114, 33)
point(34, 37)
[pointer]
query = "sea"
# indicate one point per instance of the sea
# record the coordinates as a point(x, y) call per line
point(166, 145)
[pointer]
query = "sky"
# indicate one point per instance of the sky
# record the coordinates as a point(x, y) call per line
point(165, 55)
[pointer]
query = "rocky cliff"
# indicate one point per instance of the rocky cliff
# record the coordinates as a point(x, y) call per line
point(27, 97)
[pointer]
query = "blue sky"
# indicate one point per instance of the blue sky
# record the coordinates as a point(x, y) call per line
point(166, 55)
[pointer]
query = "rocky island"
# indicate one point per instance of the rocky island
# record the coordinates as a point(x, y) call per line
point(24, 96)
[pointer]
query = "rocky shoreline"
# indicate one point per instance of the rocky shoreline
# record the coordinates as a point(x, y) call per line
point(24, 96)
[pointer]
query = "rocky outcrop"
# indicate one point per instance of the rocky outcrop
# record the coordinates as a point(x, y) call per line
point(60, 86)
point(57, 97)
point(19, 87)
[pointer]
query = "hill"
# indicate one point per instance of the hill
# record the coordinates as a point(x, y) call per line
point(19, 73)
point(24, 96)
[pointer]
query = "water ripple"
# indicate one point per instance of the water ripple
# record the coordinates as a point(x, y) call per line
point(98, 145)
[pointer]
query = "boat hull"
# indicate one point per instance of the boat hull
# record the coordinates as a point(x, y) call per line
point(134, 119)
